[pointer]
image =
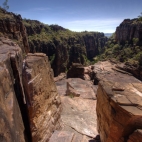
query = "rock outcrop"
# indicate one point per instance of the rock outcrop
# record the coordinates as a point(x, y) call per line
point(80, 71)
point(78, 115)
point(120, 118)
point(136, 70)
point(128, 30)
point(11, 26)
point(120, 94)
point(30, 105)
point(43, 101)
point(107, 70)
point(11, 123)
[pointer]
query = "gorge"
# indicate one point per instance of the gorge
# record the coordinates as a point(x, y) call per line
point(53, 90)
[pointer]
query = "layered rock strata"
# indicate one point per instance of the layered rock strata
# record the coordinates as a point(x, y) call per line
point(43, 101)
point(120, 118)
point(108, 70)
point(11, 123)
point(11, 26)
point(80, 71)
point(129, 30)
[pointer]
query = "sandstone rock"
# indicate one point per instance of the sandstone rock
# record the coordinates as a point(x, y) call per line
point(12, 27)
point(79, 71)
point(121, 114)
point(106, 70)
point(11, 123)
point(80, 115)
point(132, 68)
point(61, 86)
point(128, 30)
point(61, 76)
point(43, 101)
point(76, 87)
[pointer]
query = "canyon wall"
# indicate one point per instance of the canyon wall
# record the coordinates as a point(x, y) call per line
point(11, 26)
point(63, 46)
point(129, 30)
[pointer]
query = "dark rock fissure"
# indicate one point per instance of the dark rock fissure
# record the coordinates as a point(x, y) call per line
point(22, 105)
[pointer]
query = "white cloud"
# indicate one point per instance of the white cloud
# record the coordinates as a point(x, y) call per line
point(101, 25)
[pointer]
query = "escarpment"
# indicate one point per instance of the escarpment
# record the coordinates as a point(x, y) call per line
point(11, 26)
point(30, 105)
point(129, 30)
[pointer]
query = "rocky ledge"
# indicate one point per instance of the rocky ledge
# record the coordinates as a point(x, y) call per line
point(120, 118)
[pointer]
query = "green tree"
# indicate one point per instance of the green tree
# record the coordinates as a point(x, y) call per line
point(140, 17)
point(5, 5)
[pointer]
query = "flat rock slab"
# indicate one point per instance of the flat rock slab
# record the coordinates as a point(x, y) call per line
point(77, 87)
point(107, 71)
point(62, 136)
point(80, 114)
point(61, 86)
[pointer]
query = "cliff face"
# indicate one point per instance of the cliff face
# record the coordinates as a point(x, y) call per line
point(128, 30)
point(11, 26)
point(43, 101)
point(11, 123)
point(63, 46)
point(30, 106)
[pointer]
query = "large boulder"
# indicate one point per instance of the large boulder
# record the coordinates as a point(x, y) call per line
point(120, 118)
point(11, 123)
point(43, 101)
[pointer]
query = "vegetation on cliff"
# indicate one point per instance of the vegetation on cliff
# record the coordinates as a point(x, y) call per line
point(125, 45)
point(62, 46)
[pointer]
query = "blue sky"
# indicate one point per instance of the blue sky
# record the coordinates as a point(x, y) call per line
point(78, 15)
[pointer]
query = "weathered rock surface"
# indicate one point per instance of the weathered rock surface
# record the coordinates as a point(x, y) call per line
point(11, 123)
point(75, 114)
point(43, 101)
point(120, 118)
point(108, 71)
point(76, 87)
point(78, 115)
point(79, 71)
point(128, 30)
point(132, 68)
point(12, 27)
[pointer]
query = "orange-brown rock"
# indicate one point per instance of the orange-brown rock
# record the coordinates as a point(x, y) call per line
point(11, 26)
point(107, 70)
point(43, 101)
point(79, 71)
point(11, 123)
point(119, 111)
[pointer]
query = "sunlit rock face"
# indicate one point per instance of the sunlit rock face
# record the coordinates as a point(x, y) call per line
point(119, 113)
point(128, 30)
point(11, 123)
point(43, 102)
point(11, 26)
